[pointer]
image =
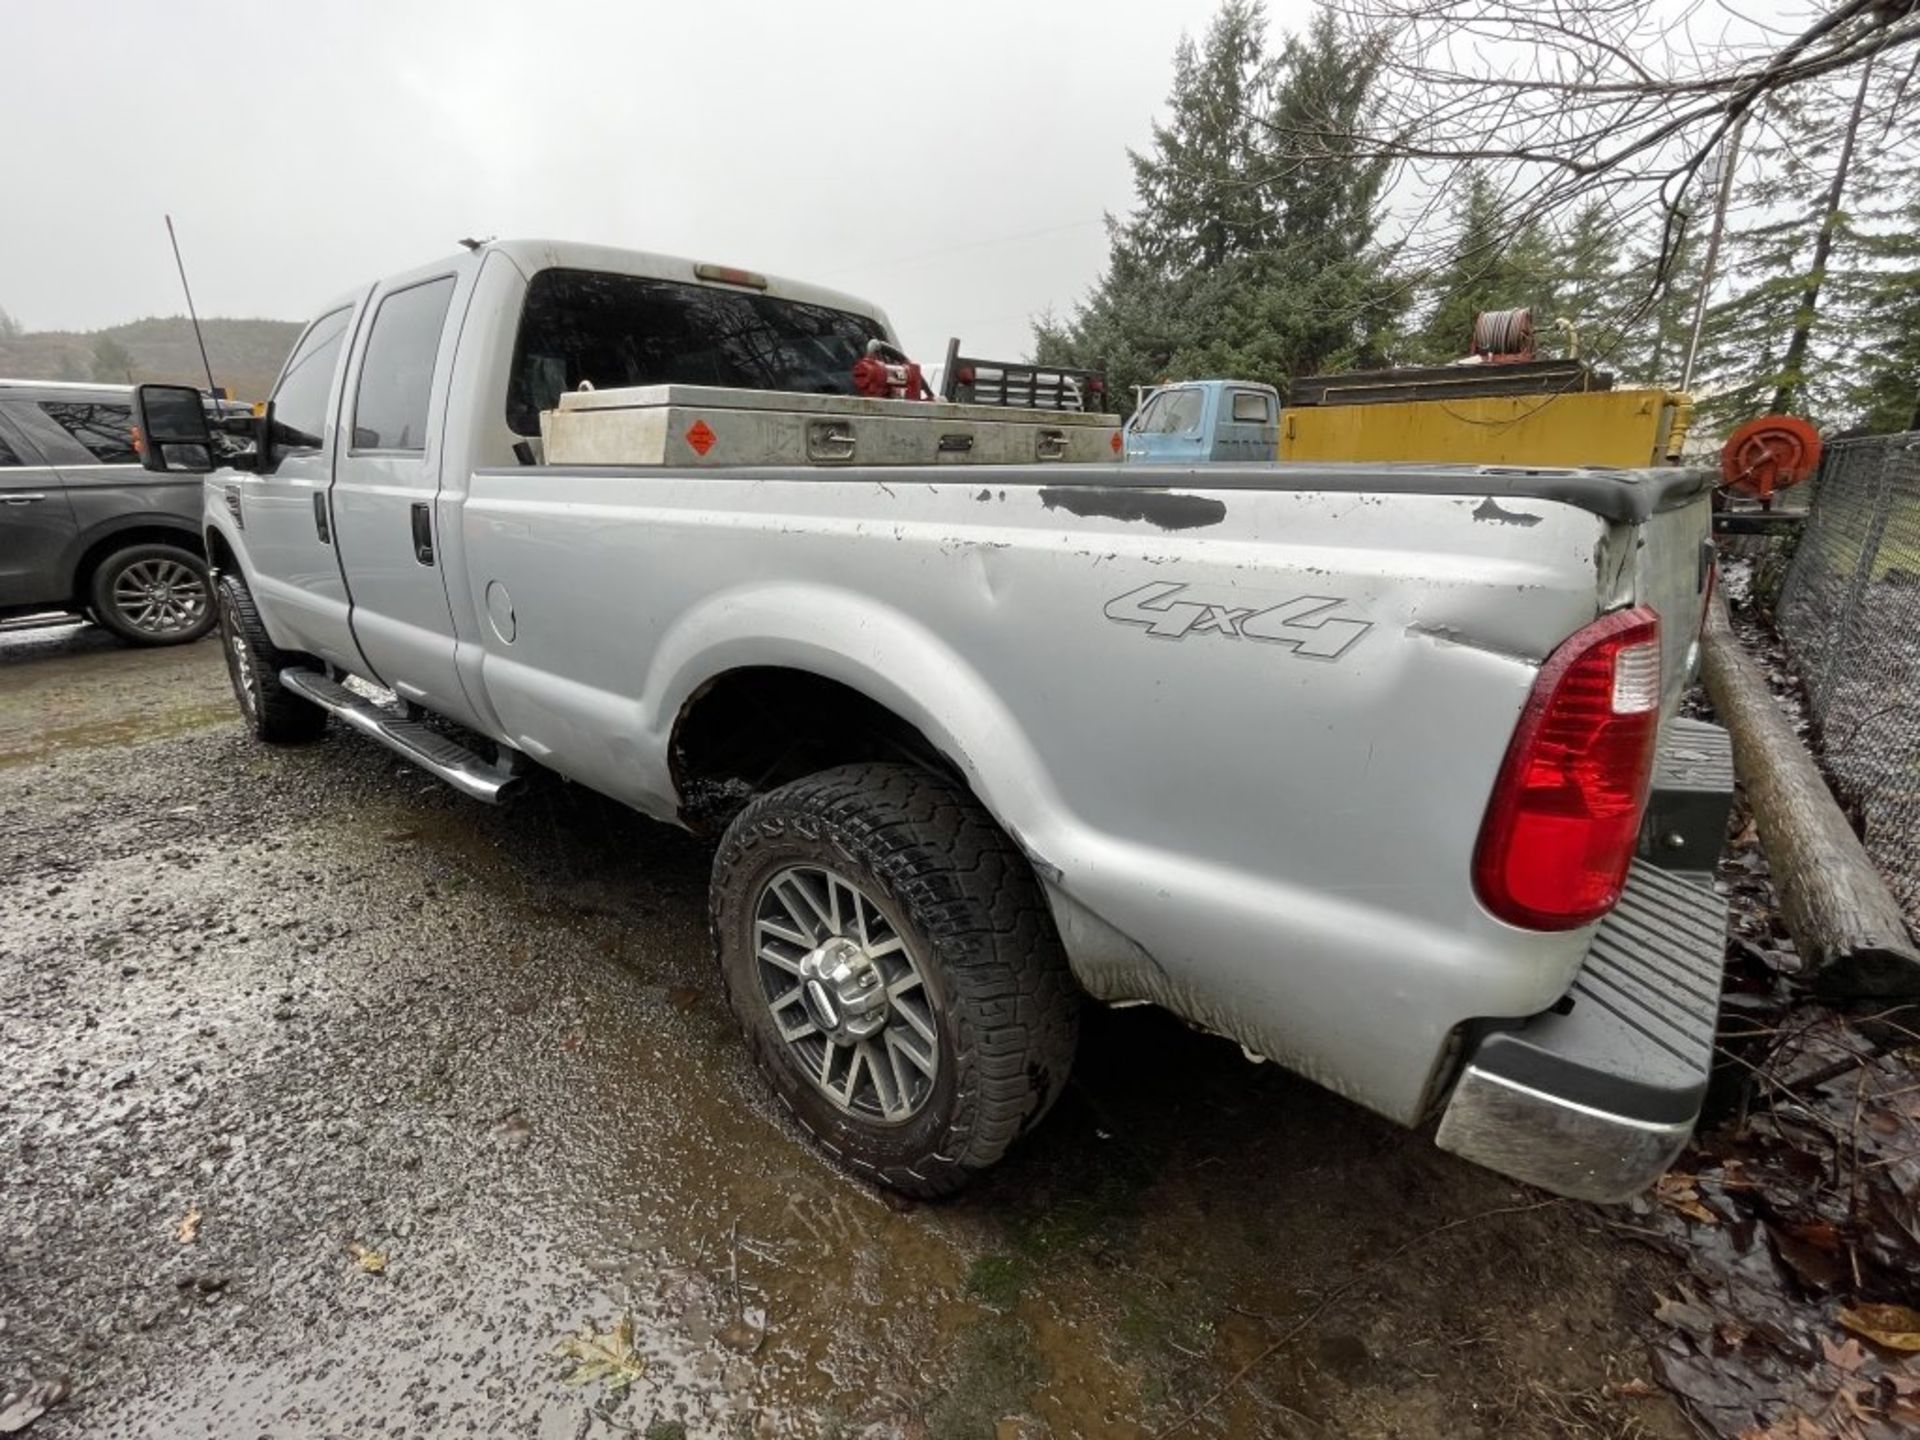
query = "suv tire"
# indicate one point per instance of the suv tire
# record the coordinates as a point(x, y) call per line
point(272, 712)
point(152, 594)
point(900, 872)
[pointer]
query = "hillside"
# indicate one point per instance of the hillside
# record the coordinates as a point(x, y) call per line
point(246, 354)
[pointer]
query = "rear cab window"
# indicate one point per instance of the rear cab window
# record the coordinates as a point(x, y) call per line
point(619, 330)
point(300, 399)
point(1252, 407)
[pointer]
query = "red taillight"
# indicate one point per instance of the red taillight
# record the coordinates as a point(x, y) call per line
point(1565, 814)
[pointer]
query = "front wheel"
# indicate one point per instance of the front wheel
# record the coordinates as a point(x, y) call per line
point(152, 595)
point(273, 712)
point(891, 959)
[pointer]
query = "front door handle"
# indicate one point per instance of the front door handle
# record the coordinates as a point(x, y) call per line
point(25, 499)
point(422, 532)
point(320, 525)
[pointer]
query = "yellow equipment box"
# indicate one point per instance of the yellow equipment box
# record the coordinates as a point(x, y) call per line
point(1539, 414)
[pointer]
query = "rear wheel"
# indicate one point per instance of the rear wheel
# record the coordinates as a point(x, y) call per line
point(152, 595)
point(273, 712)
point(890, 957)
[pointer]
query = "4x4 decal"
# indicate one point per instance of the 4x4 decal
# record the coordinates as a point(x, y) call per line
point(1303, 623)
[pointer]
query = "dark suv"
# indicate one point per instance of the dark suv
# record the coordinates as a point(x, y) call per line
point(84, 529)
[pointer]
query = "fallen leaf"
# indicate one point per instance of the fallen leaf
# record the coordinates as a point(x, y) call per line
point(682, 997)
point(1805, 1251)
point(571, 1042)
point(1635, 1389)
point(188, 1230)
point(1684, 1314)
point(374, 1262)
point(591, 1356)
point(17, 1411)
point(1895, 1326)
point(1848, 1357)
point(1677, 1193)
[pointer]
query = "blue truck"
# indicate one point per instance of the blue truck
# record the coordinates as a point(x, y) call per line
point(1206, 420)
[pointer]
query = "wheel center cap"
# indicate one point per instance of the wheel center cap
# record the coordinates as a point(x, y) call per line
point(840, 987)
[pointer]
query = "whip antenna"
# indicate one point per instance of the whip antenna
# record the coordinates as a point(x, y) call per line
point(199, 339)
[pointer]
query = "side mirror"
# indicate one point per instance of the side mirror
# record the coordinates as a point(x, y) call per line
point(172, 432)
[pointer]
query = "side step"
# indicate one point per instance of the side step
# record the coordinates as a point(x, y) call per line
point(409, 739)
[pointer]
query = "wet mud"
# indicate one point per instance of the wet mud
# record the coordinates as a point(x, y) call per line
point(270, 1017)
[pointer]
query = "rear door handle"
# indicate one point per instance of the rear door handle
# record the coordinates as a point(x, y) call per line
point(320, 525)
point(422, 532)
point(25, 499)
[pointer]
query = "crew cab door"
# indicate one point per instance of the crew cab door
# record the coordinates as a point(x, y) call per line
point(282, 512)
point(36, 525)
point(386, 479)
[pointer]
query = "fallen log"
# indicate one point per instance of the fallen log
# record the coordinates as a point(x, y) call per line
point(1844, 921)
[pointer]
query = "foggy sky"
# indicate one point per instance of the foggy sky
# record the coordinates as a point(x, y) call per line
point(950, 162)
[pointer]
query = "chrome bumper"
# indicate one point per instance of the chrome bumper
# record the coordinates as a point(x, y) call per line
point(1594, 1098)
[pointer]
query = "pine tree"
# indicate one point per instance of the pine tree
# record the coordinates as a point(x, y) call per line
point(1491, 265)
point(1804, 273)
point(1588, 290)
point(1251, 250)
point(1201, 189)
point(111, 361)
point(1883, 298)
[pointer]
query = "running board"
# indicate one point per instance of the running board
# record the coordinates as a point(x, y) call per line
point(409, 739)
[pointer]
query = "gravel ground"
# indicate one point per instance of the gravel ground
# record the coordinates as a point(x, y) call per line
point(333, 1104)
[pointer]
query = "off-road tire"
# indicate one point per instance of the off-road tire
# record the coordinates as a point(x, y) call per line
point(272, 712)
point(968, 905)
point(105, 603)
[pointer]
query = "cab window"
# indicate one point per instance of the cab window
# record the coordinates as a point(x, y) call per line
point(619, 330)
point(1174, 412)
point(1252, 407)
point(396, 377)
point(300, 399)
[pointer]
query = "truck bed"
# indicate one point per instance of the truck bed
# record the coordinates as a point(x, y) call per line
point(1348, 647)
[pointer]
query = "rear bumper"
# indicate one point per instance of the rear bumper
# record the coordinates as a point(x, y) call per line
point(1594, 1098)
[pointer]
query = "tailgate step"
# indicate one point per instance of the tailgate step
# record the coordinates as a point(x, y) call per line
point(1595, 1098)
point(434, 752)
point(1692, 795)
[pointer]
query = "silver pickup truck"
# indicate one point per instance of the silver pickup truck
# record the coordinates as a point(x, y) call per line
point(1374, 770)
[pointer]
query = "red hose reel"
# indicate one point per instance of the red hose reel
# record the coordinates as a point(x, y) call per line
point(1768, 454)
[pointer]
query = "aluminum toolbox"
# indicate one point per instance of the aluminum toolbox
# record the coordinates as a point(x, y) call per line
point(694, 425)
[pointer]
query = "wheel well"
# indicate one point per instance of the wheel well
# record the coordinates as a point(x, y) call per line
point(219, 553)
point(751, 730)
point(124, 540)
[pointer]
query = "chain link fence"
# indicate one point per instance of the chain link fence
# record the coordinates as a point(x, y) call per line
point(1849, 611)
